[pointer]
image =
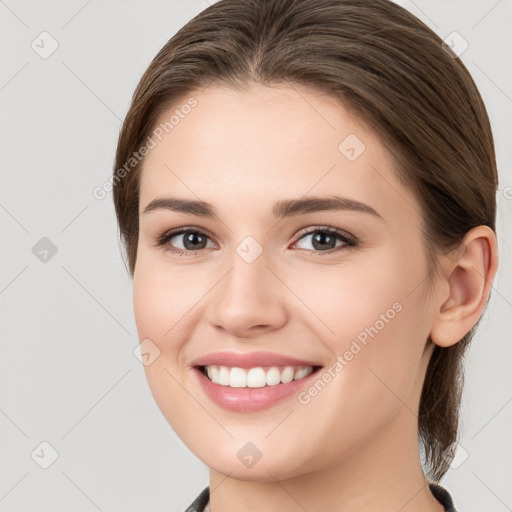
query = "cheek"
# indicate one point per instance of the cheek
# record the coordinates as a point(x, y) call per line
point(376, 320)
point(356, 295)
point(150, 305)
point(163, 302)
point(161, 316)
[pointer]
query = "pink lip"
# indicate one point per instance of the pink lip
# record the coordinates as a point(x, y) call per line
point(251, 399)
point(250, 360)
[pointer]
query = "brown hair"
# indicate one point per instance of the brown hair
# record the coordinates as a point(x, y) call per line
point(391, 71)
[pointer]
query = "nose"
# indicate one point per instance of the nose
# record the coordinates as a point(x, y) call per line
point(249, 300)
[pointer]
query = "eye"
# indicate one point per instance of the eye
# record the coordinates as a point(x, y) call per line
point(191, 241)
point(325, 240)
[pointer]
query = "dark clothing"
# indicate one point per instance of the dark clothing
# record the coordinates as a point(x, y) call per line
point(443, 496)
point(200, 502)
point(440, 493)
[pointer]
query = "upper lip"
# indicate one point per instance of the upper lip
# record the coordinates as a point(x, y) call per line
point(250, 360)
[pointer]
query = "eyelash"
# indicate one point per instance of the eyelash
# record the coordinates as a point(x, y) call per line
point(347, 239)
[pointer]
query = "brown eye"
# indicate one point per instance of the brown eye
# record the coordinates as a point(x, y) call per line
point(326, 240)
point(186, 240)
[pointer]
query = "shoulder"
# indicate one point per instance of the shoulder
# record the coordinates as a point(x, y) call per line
point(199, 504)
point(443, 496)
point(440, 493)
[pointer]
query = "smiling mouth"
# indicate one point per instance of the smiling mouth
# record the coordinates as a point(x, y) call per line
point(256, 377)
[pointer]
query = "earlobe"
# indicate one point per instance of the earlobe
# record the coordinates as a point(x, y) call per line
point(469, 276)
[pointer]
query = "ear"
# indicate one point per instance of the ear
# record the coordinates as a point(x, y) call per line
point(468, 274)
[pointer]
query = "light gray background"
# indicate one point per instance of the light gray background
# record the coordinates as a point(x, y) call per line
point(68, 375)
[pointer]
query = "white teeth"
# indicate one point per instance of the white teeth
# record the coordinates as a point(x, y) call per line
point(255, 377)
point(223, 378)
point(273, 376)
point(299, 374)
point(287, 374)
point(238, 378)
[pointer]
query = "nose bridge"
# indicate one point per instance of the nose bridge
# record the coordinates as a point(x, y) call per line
point(249, 271)
point(249, 295)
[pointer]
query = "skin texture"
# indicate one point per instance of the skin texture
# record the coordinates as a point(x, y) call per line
point(354, 445)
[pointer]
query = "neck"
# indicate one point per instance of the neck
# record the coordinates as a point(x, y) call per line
point(382, 473)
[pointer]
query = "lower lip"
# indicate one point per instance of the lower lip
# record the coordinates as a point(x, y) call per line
point(251, 399)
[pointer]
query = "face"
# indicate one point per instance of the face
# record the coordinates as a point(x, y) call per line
point(339, 286)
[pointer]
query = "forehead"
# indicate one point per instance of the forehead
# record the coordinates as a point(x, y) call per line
point(265, 143)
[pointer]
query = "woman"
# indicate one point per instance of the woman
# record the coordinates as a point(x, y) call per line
point(305, 190)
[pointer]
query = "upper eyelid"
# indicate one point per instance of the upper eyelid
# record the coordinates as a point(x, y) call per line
point(312, 229)
point(180, 231)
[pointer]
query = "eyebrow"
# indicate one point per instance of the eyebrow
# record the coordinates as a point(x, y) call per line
point(281, 209)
